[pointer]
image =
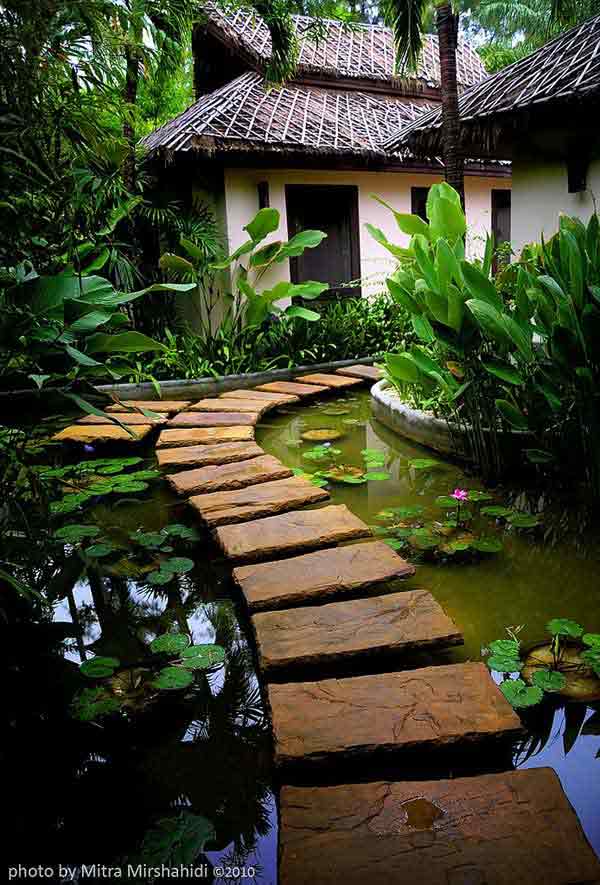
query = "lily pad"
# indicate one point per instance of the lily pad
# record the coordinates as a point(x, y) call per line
point(564, 627)
point(180, 531)
point(505, 647)
point(377, 475)
point(73, 534)
point(99, 667)
point(202, 657)
point(505, 663)
point(324, 434)
point(424, 463)
point(170, 643)
point(497, 511)
point(487, 545)
point(334, 411)
point(519, 694)
point(97, 551)
point(475, 496)
point(523, 520)
point(592, 639)
point(549, 680)
point(159, 577)
point(344, 473)
point(173, 678)
point(177, 565)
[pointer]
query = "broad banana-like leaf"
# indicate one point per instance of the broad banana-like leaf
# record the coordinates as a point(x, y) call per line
point(379, 237)
point(447, 220)
point(424, 361)
point(512, 414)
point(425, 263)
point(408, 224)
point(479, 286)
point(423, 328)
point(438, 307)
point(489, 321)
point(124, 342)
point(402, 368)
point(265, 222)
point(403, 297)
point(305, 239)
point(176, 264)
point(303, 313)
point(266, 255)
point(503, 371)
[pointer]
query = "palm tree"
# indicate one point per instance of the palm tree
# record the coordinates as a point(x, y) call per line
point(406, 19)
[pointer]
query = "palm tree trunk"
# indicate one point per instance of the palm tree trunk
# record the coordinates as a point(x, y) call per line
point(447, 28)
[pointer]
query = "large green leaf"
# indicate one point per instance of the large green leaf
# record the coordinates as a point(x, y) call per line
point(402, 367)
point(408, 224)
point(176, 263)
point(265, 222)
point(402, 296)
point(511, 414)
point(479, 286)
point(242, 250)
point(305, 239)
point(379, 237)
point(519, 694)
point(89, 409)
point(308, 290)
point(447, 219)
point(124, 342)
point(303, 313)
point(89, 321)
point(503, 371)
point(489, 321)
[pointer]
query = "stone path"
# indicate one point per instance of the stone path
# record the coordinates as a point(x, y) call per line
point(339, 604)
point(167, 407)
point(349, 631)
point(319, 576)
point(87, 434)
point(222, 477)
point(416, 709)
point(132, 419)
point(515, 828)
point(290, 532)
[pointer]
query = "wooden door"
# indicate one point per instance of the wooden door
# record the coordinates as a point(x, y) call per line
point(500, 219)
point(334, 210)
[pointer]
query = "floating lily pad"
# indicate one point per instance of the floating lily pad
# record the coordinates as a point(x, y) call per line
point(549, 680)
point(99, 667)
point(523, 520)
point(487, 545)
point(344, 473)
point(324, 434)
point(475, 496)
point(97, 551)
point(509, 647)
point(581, 677)
point(177, 565)
point(592, 639)
point(497, 511)
point(424, 463)
point(173, 678)
point(377, 475)
point(73, 534)
point(202, 657)
point(334, 411)
point(564, 627)
point(170, 643)
point(180, 531)
point(394, 544)
point(160, 577)
point(505, 663)
point(519, 694)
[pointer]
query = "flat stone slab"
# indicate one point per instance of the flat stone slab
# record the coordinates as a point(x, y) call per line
point(327, 380)
point(515, 828)
point(229, 405)
point(367, 373)
point(203, 436)
point(202, 456)
point(319, 576)
point(274, 399)
point(133, 419)
point(415, 709)
point(264, 499)
point(221, 477)
point(214, 419)
point(298, 530)
point(343, 631)
point(164, 406)
point(291, 387)
point(90, 434)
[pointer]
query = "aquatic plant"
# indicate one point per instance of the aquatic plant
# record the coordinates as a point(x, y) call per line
point(87, 481)
point(568, 664)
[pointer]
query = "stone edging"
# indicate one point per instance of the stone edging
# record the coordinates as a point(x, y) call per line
point(427, 430)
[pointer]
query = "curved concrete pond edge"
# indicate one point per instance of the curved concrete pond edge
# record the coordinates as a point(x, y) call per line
point(420, 427)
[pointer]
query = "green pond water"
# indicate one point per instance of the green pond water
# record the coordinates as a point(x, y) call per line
point(97, 792)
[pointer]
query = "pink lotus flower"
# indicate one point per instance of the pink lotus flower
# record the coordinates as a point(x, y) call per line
point(460, 495)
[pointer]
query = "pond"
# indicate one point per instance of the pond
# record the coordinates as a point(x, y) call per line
point(194, 769)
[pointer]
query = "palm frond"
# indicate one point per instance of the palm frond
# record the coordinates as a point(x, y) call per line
point(406, 19)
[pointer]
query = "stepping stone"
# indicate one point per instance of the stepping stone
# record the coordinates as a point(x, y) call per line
point(343, 631)
point(414, 709)
point(298, 530)
point(327, 380)
point(201, 456)
point(222, 508)
point(230, 405)
point(163, 406)
point(203, 436)
point(221, 477)
point(274, 399)
point(514, 828)
point(132, 419)
point(367, 373)
point(214, 419)
point(90, 434)
point(301, 390)
point(319, 576)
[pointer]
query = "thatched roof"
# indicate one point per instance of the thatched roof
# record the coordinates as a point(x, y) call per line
point(248, 115)
point(329, 48)
point(564, 71)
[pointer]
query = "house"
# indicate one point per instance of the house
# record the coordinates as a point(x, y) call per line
point(314, 148)
point(542, 113)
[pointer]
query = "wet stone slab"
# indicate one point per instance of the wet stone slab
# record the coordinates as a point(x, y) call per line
point(351, 719)
point(214, 419)
point(164, 406)
point(273, 399)
point(230, 405)
point(201, 456)
point(360, 628)
point(101, 433)
point(203, 436)
point(338, 382)
point(221, 477)
point(320, 576)
point(293, 388)
point(515, 828)
point(132, 419)
point(367, 373)
point(265, 499)
point(289, 532)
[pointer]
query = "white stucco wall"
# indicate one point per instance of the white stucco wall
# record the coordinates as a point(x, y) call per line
point(241, 198)
point(540, 194)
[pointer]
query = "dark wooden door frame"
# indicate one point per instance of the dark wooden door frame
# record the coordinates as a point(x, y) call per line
point(352, 191)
